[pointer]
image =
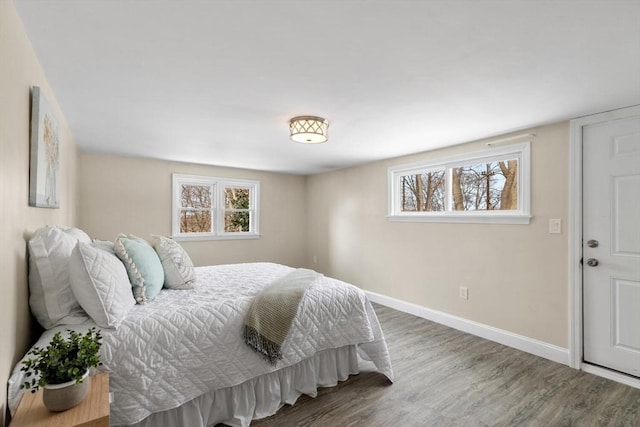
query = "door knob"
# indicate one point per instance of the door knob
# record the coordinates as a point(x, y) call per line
point(593, 243)
point(592, 262)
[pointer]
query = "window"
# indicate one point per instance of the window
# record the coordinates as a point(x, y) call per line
point(487, 186)
point(207, 208)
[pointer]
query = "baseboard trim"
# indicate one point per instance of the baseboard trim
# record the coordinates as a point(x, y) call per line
point(611, 375)
point(520, 342)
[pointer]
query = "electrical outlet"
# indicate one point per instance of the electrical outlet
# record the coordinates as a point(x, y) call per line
point(315, 259)
point(464, 292)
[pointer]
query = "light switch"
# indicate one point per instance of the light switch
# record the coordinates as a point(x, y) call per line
point(555, 226)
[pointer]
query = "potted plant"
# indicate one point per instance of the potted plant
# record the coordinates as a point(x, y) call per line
point(61, 367)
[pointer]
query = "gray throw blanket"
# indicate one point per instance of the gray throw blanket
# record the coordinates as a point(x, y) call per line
point(272, 311)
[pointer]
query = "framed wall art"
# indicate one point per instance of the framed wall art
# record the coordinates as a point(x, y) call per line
point(44, 167)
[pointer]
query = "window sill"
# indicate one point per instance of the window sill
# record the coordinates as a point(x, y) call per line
point(202, 237)
point(468, 219)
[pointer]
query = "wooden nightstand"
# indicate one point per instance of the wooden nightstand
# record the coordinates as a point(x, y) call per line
point(93, 411)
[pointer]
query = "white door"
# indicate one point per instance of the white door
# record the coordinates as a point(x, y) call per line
point(611, 244)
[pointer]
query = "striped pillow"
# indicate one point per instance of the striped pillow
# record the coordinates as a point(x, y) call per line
point(179, 272)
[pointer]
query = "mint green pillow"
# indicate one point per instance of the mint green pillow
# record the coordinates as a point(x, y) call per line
point(143, 266)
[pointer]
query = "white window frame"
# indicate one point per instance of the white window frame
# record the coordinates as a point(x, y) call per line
point(522, 215)
point(218, 209)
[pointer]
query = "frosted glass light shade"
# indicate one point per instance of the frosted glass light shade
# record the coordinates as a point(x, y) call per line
point(309, 129)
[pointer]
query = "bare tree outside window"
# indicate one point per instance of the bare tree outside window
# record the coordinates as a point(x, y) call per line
point(485, 186)
point(509, 194)
point(423, 192)
point(209, 208)
point(196, 209)
point(491, 185)
point(478, 187)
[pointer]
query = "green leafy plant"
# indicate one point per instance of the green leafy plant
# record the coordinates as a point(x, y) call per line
point(63, 360)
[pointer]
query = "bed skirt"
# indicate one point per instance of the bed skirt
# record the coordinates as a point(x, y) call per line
point(261, 397)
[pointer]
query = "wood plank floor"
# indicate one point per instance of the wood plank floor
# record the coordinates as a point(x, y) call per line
point(445, 377)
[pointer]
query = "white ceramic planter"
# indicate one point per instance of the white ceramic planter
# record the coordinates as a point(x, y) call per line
point(60, 397)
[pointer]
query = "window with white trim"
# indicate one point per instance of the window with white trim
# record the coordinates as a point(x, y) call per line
point(206, 208)
point(489, 186)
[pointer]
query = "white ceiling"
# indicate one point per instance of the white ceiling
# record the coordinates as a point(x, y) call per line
point(215, 82)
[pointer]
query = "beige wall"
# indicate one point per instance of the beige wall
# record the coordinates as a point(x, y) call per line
point(133, 195)
point(516, 274)
point(20, 69)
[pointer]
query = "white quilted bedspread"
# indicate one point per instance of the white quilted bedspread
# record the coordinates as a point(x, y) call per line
point(188, 342)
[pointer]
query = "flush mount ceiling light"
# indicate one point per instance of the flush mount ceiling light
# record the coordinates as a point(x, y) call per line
point(309, 129)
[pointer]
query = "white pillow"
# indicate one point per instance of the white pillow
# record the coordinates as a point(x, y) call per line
point(179, 272)
point(100, 283)
point(51, 298)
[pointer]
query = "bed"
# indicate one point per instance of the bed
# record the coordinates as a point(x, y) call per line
point(181, 360)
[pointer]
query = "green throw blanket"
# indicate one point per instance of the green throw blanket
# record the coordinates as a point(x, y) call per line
point(272, 311)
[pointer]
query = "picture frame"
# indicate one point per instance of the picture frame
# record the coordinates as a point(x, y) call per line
point(44, 162)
